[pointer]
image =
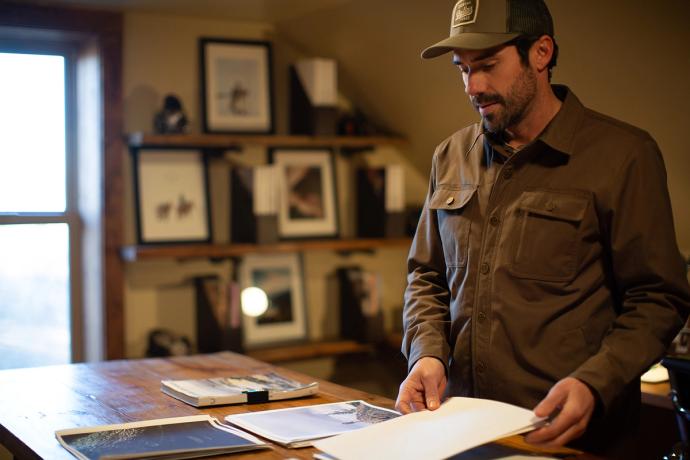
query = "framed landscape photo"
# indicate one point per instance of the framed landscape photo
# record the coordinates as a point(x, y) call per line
point(307, 204)
point(171, 196)
point(285, 319)
point(236, 86)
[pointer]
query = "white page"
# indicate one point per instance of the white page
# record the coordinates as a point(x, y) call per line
point(305, 423)
point(319, 78)
point(265, 190)
point(458, 425)
point(395, 188)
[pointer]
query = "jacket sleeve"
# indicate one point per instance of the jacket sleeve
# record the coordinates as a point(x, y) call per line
point(648, 274)
point(426, 317)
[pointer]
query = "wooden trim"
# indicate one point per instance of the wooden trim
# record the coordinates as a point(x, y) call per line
point(111, 55)
point(229, 141)
point(309, 351)
point(219, 251)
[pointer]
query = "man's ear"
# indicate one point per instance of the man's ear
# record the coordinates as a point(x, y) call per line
point(541, 52)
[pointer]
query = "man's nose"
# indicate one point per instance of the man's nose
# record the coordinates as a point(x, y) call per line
point(474, 84)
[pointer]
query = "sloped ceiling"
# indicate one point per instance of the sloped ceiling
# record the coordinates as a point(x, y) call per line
point(377, 45)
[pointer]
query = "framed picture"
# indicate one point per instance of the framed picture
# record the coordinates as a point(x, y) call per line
point(307, 203)
point(280, 277)
point(236, 89)
point(171, 196)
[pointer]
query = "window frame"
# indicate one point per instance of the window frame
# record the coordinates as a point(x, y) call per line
point(70, 215)
point(95, 36)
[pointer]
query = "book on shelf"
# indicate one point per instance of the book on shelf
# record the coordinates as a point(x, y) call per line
point(301, 426)
point(254, 204)
point(169, 438)
point(460, 424)
point(380, 201)
point(314, 97)
point(359, 300)
point(218, 314)
point(256, 388)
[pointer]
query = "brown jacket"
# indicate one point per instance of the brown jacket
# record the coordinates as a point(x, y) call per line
point(558, 260)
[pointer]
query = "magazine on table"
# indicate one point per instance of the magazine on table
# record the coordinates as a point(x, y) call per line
point(169, 438)
point(458, 426)
point(300, 426)
point(237, 390)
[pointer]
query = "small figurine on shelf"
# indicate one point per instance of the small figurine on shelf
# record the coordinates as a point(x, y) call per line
point(171, 119)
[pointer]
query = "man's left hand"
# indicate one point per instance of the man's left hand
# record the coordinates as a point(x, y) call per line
point(572, 403)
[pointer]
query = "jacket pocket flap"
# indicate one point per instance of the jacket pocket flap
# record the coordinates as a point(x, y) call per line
point(450, 199)
point(556, 205)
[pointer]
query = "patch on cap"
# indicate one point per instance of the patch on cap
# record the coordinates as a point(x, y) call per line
point(464, 12)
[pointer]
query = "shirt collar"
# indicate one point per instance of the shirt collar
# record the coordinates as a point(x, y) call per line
point(559, 134)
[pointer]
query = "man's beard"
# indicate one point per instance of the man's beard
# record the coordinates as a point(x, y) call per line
point(513, 107)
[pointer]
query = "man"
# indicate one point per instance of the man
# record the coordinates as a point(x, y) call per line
point(544, 271)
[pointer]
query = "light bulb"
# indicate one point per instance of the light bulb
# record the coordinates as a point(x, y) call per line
point(254, 301)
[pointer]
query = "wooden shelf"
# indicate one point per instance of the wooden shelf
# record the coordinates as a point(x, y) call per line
point(219, 251)
point(309, 351)
point(235, 141)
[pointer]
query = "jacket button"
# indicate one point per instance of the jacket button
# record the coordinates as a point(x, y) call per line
point(481, 317)
point(449, 200)
point(484, 268)
point(494, 220)
point(480, 367)
point(508, 172)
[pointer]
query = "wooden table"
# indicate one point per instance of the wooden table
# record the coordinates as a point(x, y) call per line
point(36, 402)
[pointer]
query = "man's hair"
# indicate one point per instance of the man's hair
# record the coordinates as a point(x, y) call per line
point(524, 43)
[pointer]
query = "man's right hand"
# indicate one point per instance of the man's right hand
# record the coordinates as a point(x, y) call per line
point(423, 387)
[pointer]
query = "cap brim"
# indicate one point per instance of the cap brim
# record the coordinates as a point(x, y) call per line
point(467, 41)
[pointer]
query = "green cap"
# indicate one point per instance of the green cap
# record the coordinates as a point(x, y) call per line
point(481, 24)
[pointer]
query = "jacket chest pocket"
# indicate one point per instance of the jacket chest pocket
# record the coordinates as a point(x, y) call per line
point(545, 236)
point(453, 222)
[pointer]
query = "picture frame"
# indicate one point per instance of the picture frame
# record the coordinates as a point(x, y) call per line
point(307, 205)
point(280, 277)
point(236, 86)
point(171, 195)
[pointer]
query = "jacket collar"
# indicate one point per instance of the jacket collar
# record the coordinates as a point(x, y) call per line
point(560, 133)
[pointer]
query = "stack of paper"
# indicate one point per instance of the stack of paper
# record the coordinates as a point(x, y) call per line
point(300, 426)
point(458, 425)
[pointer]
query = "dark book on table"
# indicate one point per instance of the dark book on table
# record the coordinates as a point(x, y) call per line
point(169, 438)
point(237, 389)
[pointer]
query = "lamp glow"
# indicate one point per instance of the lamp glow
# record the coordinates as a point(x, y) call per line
point(254, 301)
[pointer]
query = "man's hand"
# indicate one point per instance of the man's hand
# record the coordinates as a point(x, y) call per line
point(572, 403)
point(423, 387)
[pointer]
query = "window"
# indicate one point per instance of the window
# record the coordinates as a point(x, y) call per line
point(38, 217)
point(89, 44)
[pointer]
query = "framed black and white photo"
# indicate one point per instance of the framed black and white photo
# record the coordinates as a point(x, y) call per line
point(283, 319)
point(171, 196)
point(307, 198)
point(236, 86)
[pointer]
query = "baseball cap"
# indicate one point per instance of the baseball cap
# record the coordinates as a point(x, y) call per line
point(481, 24)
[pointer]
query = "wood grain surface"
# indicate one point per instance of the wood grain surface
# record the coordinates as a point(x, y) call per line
point(36, 402)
